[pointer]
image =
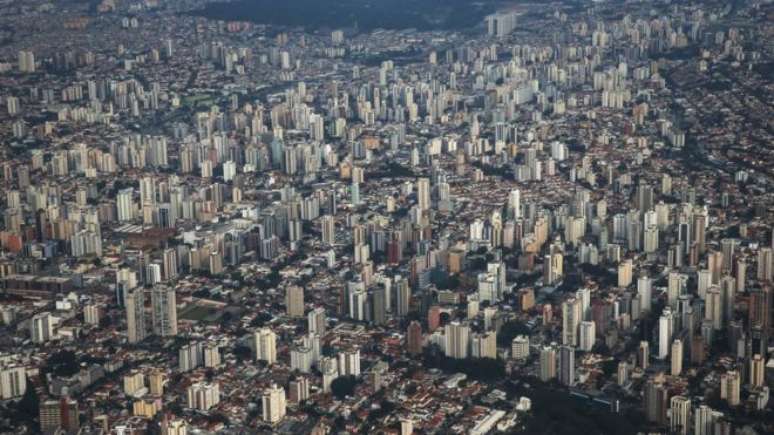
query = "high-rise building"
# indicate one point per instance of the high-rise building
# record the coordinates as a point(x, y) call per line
point(729, 387)
point(26, 61)
point(330, 371)
point(403, 291)
point(294, 301)
point(298, 389)
point(203, 395)
point(414, 338)
point(765, 264)
point(156, 381)
point(567, 366)
point(741, 275)
point(211, 354)
point(42, 328)
point(623, 373)
point(91, 314)
point(173, 427)
point(665, 332)
point(349, 362)
point(501, 24)
point(484, 345)
point(644, 292)
point(50, 416)
point(124, 205)
point(587, 335)
point(164, 314)
point(406, 426)
point(625, 273)
point(656, 403)
point(705, 420)
point(676, 286)
point(759, 308)
point(135, 316)
point(59, 415)
point(170, 263)
point(191, 356)
point(680, 415)
point(423, 193)
point(13, 382)
point(328, 230)
point(643, 355)
point(548, 363)
point(699, 231)
point(553, 268)
point(273, 404)
point(317, 321)
point(520, 347)
point(514, 204)
point(301, 358)
point(457, 337)
point(677, 357)
point(265, 345)
point(134, 382)
point(571, 317)
point(757, 371)
point(713, 307)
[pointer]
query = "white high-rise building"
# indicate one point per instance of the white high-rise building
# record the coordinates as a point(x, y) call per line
point(316, 321)
point(26, 61)
point(520, 347)
point(587, 335)
point(191, 356)
point(211, 355)
point(514, 203)
point(203, 395)
point(42, 328)
point(484, 345)
point(704, 420)
point(548, 358)
point(330, 371)
point(665, 331)
point(679, 415)
point(457, 337)
point(13, 382)
point(274, 404)
point(677, 357)
point(301, 358)
point(571, 318)
point(423, 193)
point(124, 205)
point(644, 293)
point(265, 344)
point(501, 24)
point(229, 170)
point(91, 314)
point(349, 363)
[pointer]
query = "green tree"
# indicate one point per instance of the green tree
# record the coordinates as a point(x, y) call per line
point(63, 363)
point(29, 405)
point(343, 386)
point(509, 331)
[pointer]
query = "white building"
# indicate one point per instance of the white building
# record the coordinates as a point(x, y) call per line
point(274, 405)
point(203, 395)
